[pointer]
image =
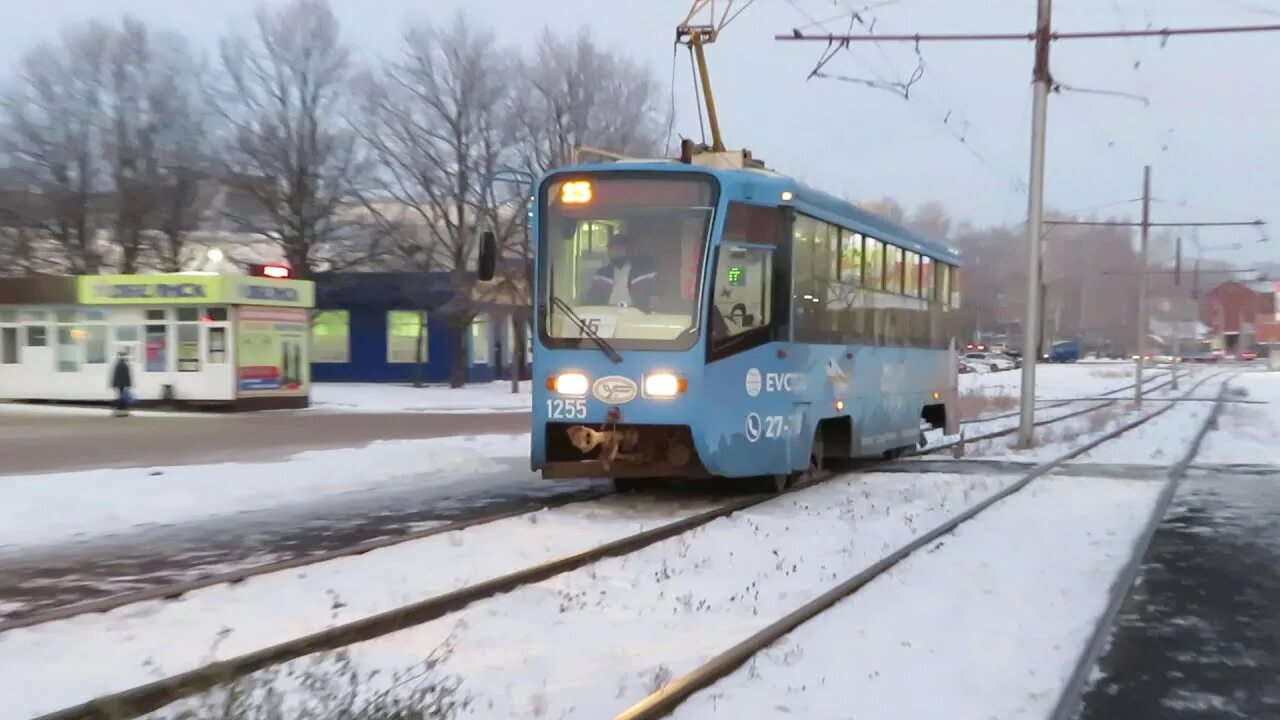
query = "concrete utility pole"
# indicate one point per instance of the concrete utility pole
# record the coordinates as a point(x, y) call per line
point(1142, 285)
point(1035, 227)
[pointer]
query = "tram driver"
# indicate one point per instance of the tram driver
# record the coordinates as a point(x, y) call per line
point(626, 280)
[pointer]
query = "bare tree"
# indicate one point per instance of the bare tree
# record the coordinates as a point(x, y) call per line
point(52, 134)
point(289, 145)
point(440, 121)
point(576, 93)
point(156, 129)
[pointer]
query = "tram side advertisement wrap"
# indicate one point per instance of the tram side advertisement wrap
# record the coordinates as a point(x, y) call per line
point(272, 350)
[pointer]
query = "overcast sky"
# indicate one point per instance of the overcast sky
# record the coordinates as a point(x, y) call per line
point(1210, 131)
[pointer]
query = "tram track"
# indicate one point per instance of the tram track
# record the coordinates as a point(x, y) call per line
point(172, 591)
point(665, 700)
point(152, 696)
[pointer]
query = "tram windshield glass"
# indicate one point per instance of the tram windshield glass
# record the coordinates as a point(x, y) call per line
point(621, 255)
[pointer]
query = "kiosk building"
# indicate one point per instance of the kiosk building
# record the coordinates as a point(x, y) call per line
point(229, 340)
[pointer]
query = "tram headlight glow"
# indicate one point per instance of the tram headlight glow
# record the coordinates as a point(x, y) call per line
point(571, 384)
point(663, 385)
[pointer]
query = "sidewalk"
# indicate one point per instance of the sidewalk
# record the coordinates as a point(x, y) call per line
point(35, 442)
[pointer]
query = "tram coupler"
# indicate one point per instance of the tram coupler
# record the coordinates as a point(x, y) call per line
point(613, 443)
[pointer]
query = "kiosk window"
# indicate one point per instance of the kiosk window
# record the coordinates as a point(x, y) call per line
point(188, 347)
point(157, 348)
point(217, 346)
point(95, 345)
point(37, 336)
point(9, 346)
point(68, 349)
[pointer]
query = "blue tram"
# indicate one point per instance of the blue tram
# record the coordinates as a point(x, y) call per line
point(693, 321)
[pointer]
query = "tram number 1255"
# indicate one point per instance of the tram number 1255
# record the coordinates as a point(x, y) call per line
point(567, 409)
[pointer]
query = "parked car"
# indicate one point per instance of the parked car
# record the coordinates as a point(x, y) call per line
point(964, 368)
point(993, 361)
point(1248, 355)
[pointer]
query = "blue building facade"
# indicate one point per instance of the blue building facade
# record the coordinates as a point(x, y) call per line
point(392, 328)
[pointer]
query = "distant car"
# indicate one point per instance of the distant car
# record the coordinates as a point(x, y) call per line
point(994, 362)
point(1064, 351)
point(1248, 355)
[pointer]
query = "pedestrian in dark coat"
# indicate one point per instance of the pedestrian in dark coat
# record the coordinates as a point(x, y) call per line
point(122, 382)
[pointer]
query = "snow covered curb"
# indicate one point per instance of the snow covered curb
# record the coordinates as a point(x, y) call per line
point(76, 505)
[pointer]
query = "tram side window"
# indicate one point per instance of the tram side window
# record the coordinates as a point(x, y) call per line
point(819, 300)
point(873, 270)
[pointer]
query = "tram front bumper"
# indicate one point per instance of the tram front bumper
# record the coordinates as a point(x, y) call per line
point(618, 449)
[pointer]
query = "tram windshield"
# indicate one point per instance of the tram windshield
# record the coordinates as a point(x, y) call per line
point(624, 253)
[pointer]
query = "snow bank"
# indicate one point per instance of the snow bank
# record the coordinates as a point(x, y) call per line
point(380, 398)
point(73, 505)
point(986, 624)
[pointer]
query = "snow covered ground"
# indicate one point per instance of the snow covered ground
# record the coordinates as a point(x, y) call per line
point(982, 626)
point(1248, 434)
point(75, 505)
point(588, 643)
point(1055, 381)
point(1158, 442)
point(1022, 583)
point(61, 663)
point(382, 398)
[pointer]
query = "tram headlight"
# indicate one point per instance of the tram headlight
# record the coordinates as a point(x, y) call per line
point(663, 385)
point(571, 384)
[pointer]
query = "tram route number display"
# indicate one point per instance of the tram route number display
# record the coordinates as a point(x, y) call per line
point(567, 409)
point(600, 326)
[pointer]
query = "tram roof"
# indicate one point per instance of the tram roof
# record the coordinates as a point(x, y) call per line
point(747, 184)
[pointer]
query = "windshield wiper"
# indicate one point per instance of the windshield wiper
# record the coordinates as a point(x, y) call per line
point(586, 330)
